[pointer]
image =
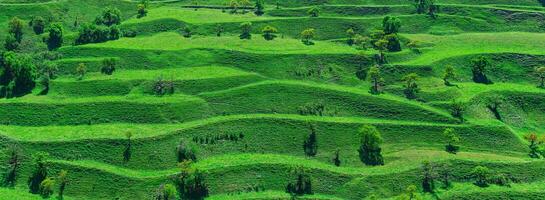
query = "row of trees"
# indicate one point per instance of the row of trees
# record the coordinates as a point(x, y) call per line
point(53, 39)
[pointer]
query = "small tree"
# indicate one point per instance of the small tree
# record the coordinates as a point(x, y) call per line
point(444, 173)
point(259, 7)
point(421, 6)
point(336, 158)
point(109, 17)
point(452, 139)
point(449, 74)
point(411, 193)
point(540, 72)
point(457, 110)
point(307, 35)
point(127, 153)
point(246, 29)
point(370, 151)
point(219, 30)
point(186, 32)
point(314, 12)
point(13, 164)
point(142, 9)
point(162, 86)
point(311, 143)
point(351, 34)
point(361, 42)
point(391, 25)
point(63, 181)
point(234, 6)
point(185, 153)
point(381, 45)
point(108, 66)
point(302, 184)
point(534, 146)
point(10, 43)
point(38, 25)
point(46, 187)
point(269, 32)
point(80, 71)
point(433, 9)
point(15, 28)
point(428, 177)
point(478, 68)
point(376, 79)
point(394, 44)
point(54, 41)
point(245, 4)
point(480, 174)
point(191, 182)
point(39, 174)
point(411, 87)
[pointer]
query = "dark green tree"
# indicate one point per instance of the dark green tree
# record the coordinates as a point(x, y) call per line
point(108, 66)
point(10, 43)
point(15, 27)
point(246, 29)
point(184, 152)
point(481, 175)
point(13, 164)
point(411, 87)
point(453, 139)
point(142, 9)
point(127, 153)
point(534, 146)
point(62, 180)
point(311, 143)
point(540, 72)
point(191, 182)
point(370, 151)
point(110, 16)
point(314, 12)
point(17, 75)
point(259, 7)
point(307, 35)
point(428, 177)
point(269, 32)
point(336, 158)
point(448, 74)
point(40, 172)
point(302, 184)
point(478, 68)
point(54, 41)
point(376, 79)
point(391, 25)
point(38, 25)
point(46, 187)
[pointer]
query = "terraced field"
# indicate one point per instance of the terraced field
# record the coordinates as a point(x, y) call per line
point(195, 111)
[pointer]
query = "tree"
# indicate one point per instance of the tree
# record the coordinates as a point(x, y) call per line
point(127, 153)
point(17, 74)
point(259, 7)
point(166, 192)
point(314, 11)
point(307, 35)
point(269, 32)
point(452, 139)
point(13, 165)
point(38, 25)
point(421, 6)
point(336, 158)
point(219, 30)
point(186, 32)
point(302, 184)
point(361, 41)
point(479, 67)
point(63, 181)
point(15, 27)
point(448, 74)
point(54, 41)
point(245, 4)
point(46, 187)
point(185, 153)
point(246, 29)
point(142, 9)
point(411, 193)
point(234, 6)
point(10, 43)
point(376, 79)
point(394, 44)
point(381, 45)
point(351, 34)
point(40, 172)
point(191, 182)
point(428, 177)
point(311, 144)
point(457, 110)
point(108, 66)
point(110, 16)
point(540, 71)
point(432, 9)
point(80, 71)
point(391, 25)
point(411, 87)
point(444, 173)
point(534, 146)
point(480, 174)
point(370, 151)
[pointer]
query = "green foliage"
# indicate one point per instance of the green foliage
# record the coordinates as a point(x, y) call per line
point(186, 32)
point(127, 153)
point(411, 87)
point(314, 11)
point(10, 43)
point(457, 110)
point(46, 187)
point(246, 29)
point(381, 45)
point(376, 79)
point(411, 193)
point(108, 66)
point(185, 153)
point(259, 7)
point(269, 32)
point(142, 9)
point(191, 182)
point(90, 33)
point(311, 143)
point(17, 75)
point(15, 28)
point(428, 177)
point(351, 34)
point(534, 146)
point(391, 25)
point(38, 25)
point(307, 35)
point(481, 175)
point(110, 16)
point(166, 192)
point(540, 72)
point(302, 184)
point(40, 172)
point(394, 44)
point(13, 164)
point(448, 74)
point(370, 151)
point(479, 67)
point(162, 86)
point(336, 158)
point(453, 139)
point(62, 180)
point(80, 71)
point(54, 40)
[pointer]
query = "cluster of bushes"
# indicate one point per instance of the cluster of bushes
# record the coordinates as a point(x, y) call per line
point(245, 6)
point(161, 86)
point(104, 28)
point(313, 108)
point(302, 183)
point(217, 138)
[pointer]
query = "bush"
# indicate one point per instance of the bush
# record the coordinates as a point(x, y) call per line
point(191, 183)
point(129, 33)
point(39, 174)
point(163, 87)
point(90, 33)
point(185, 153)
point(411, 87)
point(302, 184)
point(38, 25)
point(370, 151)
point(108, 66)
point(336, 158)
point(17, 74)
point(478, 68)
point(54, 40)
point(46, 187)
point(246, 29)
point(307, 35)
point(452, 139)
point(311, 144)
point(269, 32)
point(481, 175)
point(80, 71)
point(109, 17)
point(314, 12)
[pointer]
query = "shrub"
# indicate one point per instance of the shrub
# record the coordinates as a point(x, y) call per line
point(534, 146)
point(46, 187)
point(186, 32)
point(108, 66)
point(110, 16)
point(311, 144)
point(457, 110)
point(191, 182)
point(428, 177)
point(38, 25)
point(13, 165)
point(351, 34)
point(336, 158)
point(129, 33)
point(163, 87)
point(63, 181)
point(481, 175)
point(10, 43)
point(501, 180)
point(307, 35)
point(166, 192)
point(394, 45)
point(17, 74)
point(142, 9)
point(370, 151)
point(246, 29)
point(448, 74)
point(391, 25)
point(540, 72)
point(452, 139)
point(411, 87)
point(259, 7)
point(40, 172)
point(127, 153)
point(302, 184)
point(314, 12)
point(269, 32)
point(376, 80)
point(80, 71)
point(15, 28)
point(185, 153)
point(478, 68)
point(317, 109)
point(54, 40)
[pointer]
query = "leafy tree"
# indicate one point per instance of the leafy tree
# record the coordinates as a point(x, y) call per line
point(479, 67)
point(411, 87)
point(444, 174)
point(234, 6)
point(311, 143)
point(63, 181)
point(186, 32)
point(80, 71)
point(142, 9)
point(185, 153)
point(245, 4)
point(361, 41)
point(15, 27)
point(452, 139)
point(54, 41)
point(314, 12)
point(370, 151)
point(411, 193)
point(481, 174)
point(269, 32)
point(161, 86)
point(38, 25)
point(191, 182)
point(376, 79)
point(10, 43)
point(432, 9)
point(13, 164)
point(302, 184)
point(413, 45)
point(166, 192)
point(127, 153)
point(535, 142)
point(449, 74)
point(246, 29)
point(114, 33)
point(421, 6)
point(428, 177)
point(540, 71)
point(46, 187)
point(336, 158)
point(108, 66)
point(90, 33)
point(351, 34)
point(110, 16)
point(307, 35)
point(457, 110)
point(219, 30)
point(17, 74)
point(40, 172)
point(391, 25)
point(259, 7)
point(381, 45)
point(394, 44)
